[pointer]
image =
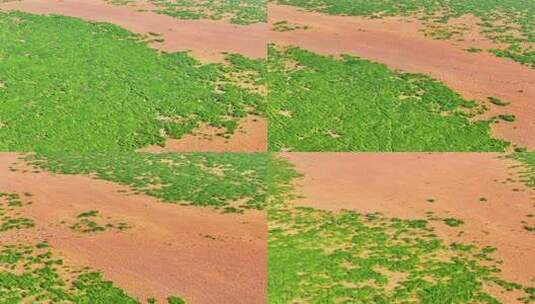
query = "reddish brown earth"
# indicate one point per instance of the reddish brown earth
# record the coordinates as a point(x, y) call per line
point(400, 44)
point(251, 136)
point(399, 185)
point(193, 252)
point(206, 39)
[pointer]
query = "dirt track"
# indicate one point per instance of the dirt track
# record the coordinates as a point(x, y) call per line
point(170, 250)
point(401, 45)
point(400, 184)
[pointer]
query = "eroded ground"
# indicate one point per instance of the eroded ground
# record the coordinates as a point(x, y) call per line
point(200, 254)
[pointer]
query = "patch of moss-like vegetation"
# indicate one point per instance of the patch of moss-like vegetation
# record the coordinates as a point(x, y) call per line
point(121, 2)
point(320, 103)
point(31, 274)
point(93, 222)
point(527, 174)
point(10, 204)
point(318, 256)
point(507, 22)
point(175, 300)
point(285, 26)
point(452, 222)
point(231, 182)
point(241, 12)
point(497, 101)
point(71, 85)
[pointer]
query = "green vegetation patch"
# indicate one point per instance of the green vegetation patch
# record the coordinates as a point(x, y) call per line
point(93, 221)
point(320, 256)
point(507, 117)
point(72, 85)
point(497, 101)
point(452, 222)
point(232, 182)
point(320, 103)
point(242, 12)
point(121, 2)
point(507, 22)
point(285, 26)
point(527, 174)
point(10, 204)
point(30, 273)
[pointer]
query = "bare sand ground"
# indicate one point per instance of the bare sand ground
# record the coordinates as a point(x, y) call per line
point(400, 44)
point(400, 185)
point(251, 136)
point(206, 39)
point(193, 252)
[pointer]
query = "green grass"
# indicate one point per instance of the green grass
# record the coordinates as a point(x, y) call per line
point(10, 218)
point(241, 12)
point(71, 85)
point(175, 300)
point(285, 26)
point(90, 213)
point(474, 50)
point(452, 222)
point(527, 174)
point(320, 256)
point(120, 2)
point(31, 273)
point(231, 182)
point(320, 103)
point(507, 117)
point(508, 22)
point(93, 222)
point(497, 101)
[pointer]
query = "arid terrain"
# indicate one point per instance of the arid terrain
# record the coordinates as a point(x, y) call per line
point(198, 253)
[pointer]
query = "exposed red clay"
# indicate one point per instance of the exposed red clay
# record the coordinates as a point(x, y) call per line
point(400, 44)
point(400, 184)
point(251, 136)
point(205, 38)
point(169, 250)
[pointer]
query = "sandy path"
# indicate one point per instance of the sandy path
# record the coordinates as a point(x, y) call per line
point(401, 45)
point(168, 251)
point(399, 184)
point(206, 39)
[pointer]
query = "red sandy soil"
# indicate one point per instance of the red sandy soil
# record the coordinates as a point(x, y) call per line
point(400, 44)
point(399, 185)
point(206, 39)
point(251, 136)
point(169, 250)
